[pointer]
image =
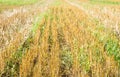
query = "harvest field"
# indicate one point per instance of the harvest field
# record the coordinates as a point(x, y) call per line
point(60, 38)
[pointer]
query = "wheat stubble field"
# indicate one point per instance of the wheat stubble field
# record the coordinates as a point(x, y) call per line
point(60, 38)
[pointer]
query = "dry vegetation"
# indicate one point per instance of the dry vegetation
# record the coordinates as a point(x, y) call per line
point(67, 43)
point(108, 15)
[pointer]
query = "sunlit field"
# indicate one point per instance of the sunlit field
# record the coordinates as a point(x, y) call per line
point(60, 38)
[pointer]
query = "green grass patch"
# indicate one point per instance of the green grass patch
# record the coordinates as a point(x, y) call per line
point(17, 2)
point(57, 3)
point(109, 40)
point(104, 2)
point(38, 20)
